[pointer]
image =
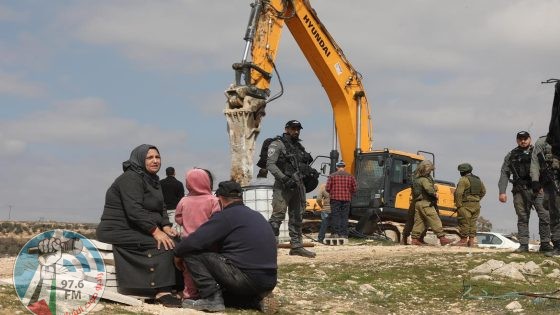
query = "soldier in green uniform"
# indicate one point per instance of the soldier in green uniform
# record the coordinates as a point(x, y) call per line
point(545, 178)
point(470, 189)
point(425, 196)
point(407, 230)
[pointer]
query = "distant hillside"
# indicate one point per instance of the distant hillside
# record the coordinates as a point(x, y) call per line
point(14, 234)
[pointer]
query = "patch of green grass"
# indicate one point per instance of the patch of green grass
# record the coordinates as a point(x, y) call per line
point(430, 282)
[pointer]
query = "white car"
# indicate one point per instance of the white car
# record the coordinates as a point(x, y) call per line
point(499, 241)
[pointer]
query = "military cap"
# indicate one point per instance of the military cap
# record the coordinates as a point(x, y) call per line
point(340, 164)
point(523, 135)
point(229, 189)
point(465, 167)
point(293, 123)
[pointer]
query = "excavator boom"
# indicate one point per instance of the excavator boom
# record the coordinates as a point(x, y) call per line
point(248, 96)
point(384, 176)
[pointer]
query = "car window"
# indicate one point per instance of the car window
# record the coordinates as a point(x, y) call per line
point(496, 240)
point(483, 239)
point(488, 239)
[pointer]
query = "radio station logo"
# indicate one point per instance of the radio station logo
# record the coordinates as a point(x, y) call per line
point(59, 272)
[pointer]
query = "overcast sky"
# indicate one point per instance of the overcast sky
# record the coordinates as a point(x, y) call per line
point(84, 82)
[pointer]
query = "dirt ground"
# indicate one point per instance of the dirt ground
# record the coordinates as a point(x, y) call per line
point(325, 255)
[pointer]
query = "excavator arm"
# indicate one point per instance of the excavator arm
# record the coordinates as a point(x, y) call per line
point(248, 95)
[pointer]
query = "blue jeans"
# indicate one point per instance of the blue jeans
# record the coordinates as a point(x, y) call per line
point(340, 209)
point(324, 225)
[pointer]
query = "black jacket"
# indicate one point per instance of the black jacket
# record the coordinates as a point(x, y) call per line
point(173, 191)
point(240, 234)
point(132, 209)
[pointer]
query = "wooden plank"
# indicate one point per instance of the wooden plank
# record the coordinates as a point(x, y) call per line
point(110, 269)
point(101, 245)
point(120, 298)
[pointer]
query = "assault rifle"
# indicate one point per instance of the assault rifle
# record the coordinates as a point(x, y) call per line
point(515, 181)
point(299, 181)
point(548, 173)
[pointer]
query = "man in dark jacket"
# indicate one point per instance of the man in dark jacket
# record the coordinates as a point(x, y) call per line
point(173, 191)
point(231, 257)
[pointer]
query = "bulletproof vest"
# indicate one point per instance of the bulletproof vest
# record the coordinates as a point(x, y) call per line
point(417, 191)
point(520, 163)
point(295, 153)
point(476, 186)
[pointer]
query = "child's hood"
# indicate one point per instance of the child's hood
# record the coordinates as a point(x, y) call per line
point(198, 182)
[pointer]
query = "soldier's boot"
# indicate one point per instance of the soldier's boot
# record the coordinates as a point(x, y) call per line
point(523, 248)
point(405, 240)
point(417, 242)
point(545, 247)
point(444, 241)
point(300, 251)
point(555, 252)
point(464, 241)
point(472, 241)
point(213, 303)
point(422, 236)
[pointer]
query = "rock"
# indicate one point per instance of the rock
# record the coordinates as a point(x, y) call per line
point(350, 282)
point(366, 287)
point(554, 274)
point(532, 268)
point(509, 271)
point(321, 273)
point(514, 307)
point(487, 267)
point(517, 265)
point(513, 256)
point(549, 263)
point(482, 277)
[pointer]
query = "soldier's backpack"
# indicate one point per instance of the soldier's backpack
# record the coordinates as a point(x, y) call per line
point(264, 151)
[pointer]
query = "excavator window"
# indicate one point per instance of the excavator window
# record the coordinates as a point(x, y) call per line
point(397, 175)
point(370, 174)
point(370, 178)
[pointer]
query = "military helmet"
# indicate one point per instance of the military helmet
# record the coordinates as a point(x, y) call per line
point(465, 167)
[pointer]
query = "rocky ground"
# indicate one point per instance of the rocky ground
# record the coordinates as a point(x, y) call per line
point(367, 278)
point(326, 255)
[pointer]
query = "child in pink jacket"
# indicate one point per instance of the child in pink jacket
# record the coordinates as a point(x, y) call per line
point(192, 211)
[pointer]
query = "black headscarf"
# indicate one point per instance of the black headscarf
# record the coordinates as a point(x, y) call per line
point(553, 136)
point(137, 163)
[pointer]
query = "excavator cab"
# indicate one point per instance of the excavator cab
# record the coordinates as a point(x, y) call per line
point(382, 178)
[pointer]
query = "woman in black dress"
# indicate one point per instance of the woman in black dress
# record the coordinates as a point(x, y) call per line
point(134, 220)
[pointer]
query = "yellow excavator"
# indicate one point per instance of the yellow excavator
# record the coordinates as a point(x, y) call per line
point(383, 176)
